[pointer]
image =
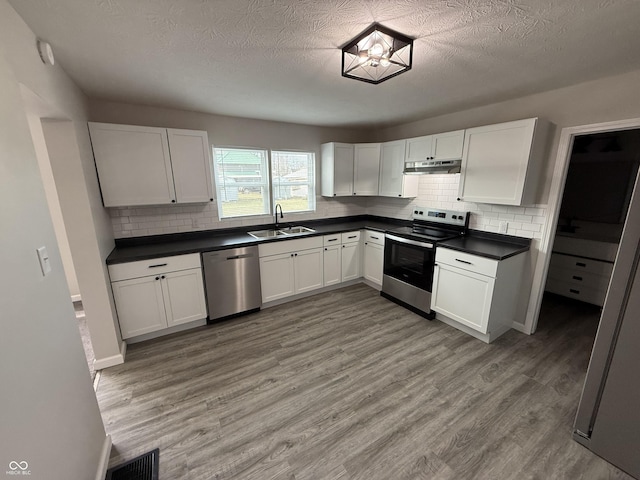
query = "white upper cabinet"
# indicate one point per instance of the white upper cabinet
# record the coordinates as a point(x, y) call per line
point(150, 166)
point(337, 169)
point(501, 163)
point(349, 169)
point(442, 146)
point(189, 150)
point(392, 181)
point(366, 169)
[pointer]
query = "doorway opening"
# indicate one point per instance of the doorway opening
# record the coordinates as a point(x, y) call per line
point(601, 176)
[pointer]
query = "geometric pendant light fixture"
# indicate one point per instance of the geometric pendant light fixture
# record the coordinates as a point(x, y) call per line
point(376, 55)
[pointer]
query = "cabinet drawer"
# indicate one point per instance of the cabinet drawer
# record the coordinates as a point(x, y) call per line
point(288, 246)
point(123, 271)
point(350, 237)
point(582, 293)
point(466, 261)
point(332, 239)
point(578, 278)
point(580, 264)
point(374, 237)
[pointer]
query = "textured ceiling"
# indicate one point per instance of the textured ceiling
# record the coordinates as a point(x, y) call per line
point(280, 59)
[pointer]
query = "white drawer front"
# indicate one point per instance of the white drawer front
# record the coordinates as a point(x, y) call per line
point(350, 237)
point(332, 239)
point(580, 264)
point(466, 261)
point(576, 277)
point(124, 271)
point(287, 246)
point(585, 294)
point(371, 236)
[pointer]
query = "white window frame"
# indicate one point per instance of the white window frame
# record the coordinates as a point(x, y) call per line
point(310, 184)
point(265, 184)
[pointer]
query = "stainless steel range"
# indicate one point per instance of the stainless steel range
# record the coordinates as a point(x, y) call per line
point(409, 256)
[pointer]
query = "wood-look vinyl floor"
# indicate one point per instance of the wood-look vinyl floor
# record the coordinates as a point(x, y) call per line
point(348, 385)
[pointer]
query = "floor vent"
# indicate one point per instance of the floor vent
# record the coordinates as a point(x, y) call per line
point(144, 467)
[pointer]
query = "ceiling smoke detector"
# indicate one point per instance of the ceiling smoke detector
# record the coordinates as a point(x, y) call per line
point(46, 52)
point(376, 55)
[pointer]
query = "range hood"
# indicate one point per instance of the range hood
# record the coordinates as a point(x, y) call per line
point(432, 166)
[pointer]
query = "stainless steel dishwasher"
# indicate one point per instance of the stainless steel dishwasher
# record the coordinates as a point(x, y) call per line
point(232, 281)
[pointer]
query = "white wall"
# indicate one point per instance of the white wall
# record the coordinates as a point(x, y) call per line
point(87, 223)
point(222, 131)
point(49, 415)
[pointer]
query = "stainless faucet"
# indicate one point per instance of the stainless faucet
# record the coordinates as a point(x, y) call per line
point(276, 214)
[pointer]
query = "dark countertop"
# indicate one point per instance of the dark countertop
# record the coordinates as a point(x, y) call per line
point(144, 248)
point(489, 245)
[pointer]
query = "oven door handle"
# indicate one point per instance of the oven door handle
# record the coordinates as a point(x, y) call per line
point(410, 242)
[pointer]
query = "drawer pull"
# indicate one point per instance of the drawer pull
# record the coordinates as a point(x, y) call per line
point(580, 264)
point(463, 261)
point(577, 292)
point(353, 236)
point(158, 265)
point(332, 240)
point(575, 277)
point(375, 238)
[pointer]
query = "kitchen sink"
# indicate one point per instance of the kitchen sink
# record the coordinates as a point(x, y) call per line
point(297, 230)
point(263, 234)
point(285, 232)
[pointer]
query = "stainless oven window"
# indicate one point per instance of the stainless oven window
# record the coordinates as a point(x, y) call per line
point(412, 264)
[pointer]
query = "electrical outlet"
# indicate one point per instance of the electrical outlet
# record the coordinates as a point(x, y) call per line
point(502, 228)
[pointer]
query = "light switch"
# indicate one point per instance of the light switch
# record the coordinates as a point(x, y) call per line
point(45, 263)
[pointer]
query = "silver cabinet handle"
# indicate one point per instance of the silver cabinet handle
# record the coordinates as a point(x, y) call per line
point(236, 257)
point(158, 265)
point(463, 261)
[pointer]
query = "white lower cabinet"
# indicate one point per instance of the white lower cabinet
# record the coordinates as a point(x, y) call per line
point(332, 260)
point(478, 293)
point(290, 267)
point(172, 295)
point(373, 256)
point(350, 257)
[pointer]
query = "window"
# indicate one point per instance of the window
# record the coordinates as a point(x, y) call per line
point(242, 182)
point(243, 187)
point(293, 180)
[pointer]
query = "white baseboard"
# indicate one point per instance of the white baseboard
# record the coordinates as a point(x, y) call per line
point(113, 360)
point(167, 331)
point(101, 473)
point(520, 327)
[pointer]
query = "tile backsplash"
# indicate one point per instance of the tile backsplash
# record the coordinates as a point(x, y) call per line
point(155, 220)
point(439, 191)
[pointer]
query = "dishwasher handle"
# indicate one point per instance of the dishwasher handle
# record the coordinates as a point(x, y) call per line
point(236, 257)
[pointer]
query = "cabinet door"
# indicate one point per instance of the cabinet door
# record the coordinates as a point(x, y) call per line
point(337, 169)
point(350, 261)
point(184, 296)
point(133, 164)
point(277, 276)
point(373, 262)
point(140, 305)
point(308, 269)
point(332, 262)
point(448, 146)
point(393, 183)
point(191, 165)
point(463, 296)
point(419, 149)
point(366, 169)
point(495, 161)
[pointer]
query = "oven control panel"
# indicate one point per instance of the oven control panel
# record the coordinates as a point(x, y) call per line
point(445, 217)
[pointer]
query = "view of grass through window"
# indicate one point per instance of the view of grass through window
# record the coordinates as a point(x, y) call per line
point(243, 186)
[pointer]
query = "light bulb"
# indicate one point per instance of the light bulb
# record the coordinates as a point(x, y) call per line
point(376, 50)
point(384, 62)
